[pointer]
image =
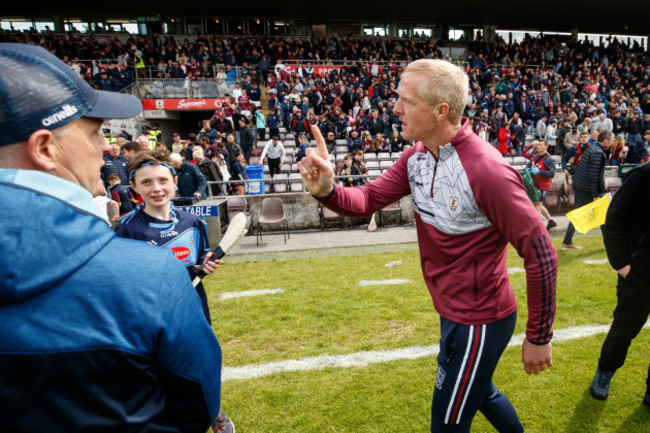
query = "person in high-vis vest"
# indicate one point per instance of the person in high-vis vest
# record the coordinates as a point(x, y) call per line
point(107, 135)
point(154, 131)
point(138, 61)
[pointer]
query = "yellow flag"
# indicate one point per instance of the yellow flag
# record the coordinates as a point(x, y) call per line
point(591, 215)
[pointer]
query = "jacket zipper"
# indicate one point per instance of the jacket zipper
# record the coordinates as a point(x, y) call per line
point(435, 169)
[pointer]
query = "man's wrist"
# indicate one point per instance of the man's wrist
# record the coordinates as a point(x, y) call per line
point(326, 196)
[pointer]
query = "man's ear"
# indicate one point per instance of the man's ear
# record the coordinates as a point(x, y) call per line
point(440, 111)
point(41, 150)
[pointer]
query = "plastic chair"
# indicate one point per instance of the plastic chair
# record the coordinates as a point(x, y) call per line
point(327, 215)
point(272, 213)
point(552, 199)
point(569, 196)
point(236, 204)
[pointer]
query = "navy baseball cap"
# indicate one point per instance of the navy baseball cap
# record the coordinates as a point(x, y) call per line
point(39, 91)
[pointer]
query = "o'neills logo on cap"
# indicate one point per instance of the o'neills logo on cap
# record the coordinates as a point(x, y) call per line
point(181, 252)
point(66, 111)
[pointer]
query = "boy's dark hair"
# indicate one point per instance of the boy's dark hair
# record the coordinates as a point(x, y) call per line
point(130, 145)
point(113, 177)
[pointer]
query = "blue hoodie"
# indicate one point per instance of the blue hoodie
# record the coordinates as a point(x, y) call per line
point(91, 341)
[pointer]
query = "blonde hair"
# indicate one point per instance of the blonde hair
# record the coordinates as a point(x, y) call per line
point(440, 81)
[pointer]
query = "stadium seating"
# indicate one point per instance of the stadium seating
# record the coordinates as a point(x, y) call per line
point(327, 215)
point(236, 204)
point(569, 196)
point(612, 184)
point(272, 213)
point(552, 200)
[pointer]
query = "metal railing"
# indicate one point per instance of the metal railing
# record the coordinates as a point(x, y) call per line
point(174, 88)
point(285, 181)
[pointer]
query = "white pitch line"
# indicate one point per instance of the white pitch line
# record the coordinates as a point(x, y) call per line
point(596, 262)
point(516, 270)
point(230, 295)
point(362, 359)
point(383, 282)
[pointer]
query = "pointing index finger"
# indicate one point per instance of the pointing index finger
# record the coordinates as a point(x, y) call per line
point(320, 143)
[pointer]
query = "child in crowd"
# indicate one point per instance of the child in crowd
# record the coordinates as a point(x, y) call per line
point(157, 222)
point(122, 194)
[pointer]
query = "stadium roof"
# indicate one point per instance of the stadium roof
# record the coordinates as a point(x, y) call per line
point(596, 16)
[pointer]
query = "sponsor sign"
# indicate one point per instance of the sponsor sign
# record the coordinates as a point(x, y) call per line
point(183, 104)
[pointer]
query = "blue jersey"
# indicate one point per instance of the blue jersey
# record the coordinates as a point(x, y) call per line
point(188, 240)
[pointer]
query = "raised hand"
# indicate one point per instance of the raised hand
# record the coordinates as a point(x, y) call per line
point(315, 169)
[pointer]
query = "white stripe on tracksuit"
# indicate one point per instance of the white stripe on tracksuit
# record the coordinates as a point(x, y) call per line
point(461, 374)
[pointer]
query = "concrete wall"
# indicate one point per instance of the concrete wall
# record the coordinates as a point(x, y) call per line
point(302, 210)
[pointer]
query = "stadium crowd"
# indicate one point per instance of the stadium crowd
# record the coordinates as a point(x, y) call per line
point(542, 87)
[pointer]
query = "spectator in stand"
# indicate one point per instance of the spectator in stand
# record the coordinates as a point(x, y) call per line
point(244, 102)
point(221, 124)
point(190, 181)
point(588, 180)
point(210, 170)
point(207, 131)
point(259, 122)
point(379, 143)
point(302, 147)
point(273, 122)
point(330, 141)
point(551, 136)
point(366, 141)
point(618, 150)
point(542, 166)
point(638, 153)
point(354, 141)
point(540, 127)
point(396, 141)
point(376, 124)
point(115, 163)
point(341, 125)
point(247, 138)
point(634, 128)
point(602, 122)
point(619, 123)
point(275, 151)
point(504, 144)
point(129, 149)
point(255, 94)
point(238, 173)
point(299, 126)
point(350, 169)
point(121, 194)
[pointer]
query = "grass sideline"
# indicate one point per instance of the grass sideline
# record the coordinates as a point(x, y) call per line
point(323, 310)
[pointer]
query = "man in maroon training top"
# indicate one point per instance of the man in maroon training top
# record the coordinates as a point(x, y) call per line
point(469, 204)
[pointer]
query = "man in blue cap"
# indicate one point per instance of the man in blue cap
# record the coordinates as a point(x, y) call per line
point(82, 347)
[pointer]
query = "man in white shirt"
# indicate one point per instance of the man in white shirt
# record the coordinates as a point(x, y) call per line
point(274, 149)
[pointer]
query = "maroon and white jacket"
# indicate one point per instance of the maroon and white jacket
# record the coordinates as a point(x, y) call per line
point(469, 204)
